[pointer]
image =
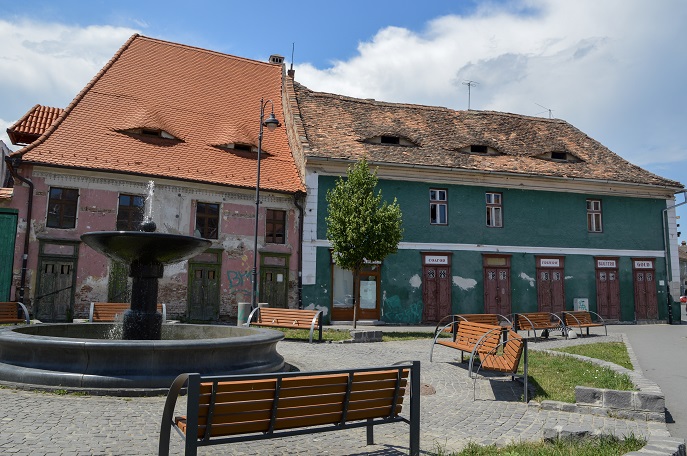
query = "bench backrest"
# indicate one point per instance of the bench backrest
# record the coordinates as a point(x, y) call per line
point(287, 402)
point(471, 333)
point(577, 317)
point(528, 319)
point(9, 312)
point(108, 311)
point(300, 317)
point(506, 359)
point(487, 319)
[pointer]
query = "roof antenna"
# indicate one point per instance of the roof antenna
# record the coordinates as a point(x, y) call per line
point(470, 85)
point(547, 109)
point(291, 71)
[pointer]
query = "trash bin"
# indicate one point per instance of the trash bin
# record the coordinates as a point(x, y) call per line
point(243, 313)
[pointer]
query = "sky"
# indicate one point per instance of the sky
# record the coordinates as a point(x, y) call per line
point(615, 69)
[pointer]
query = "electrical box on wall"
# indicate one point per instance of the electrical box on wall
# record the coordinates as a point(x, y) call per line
point(580, 303)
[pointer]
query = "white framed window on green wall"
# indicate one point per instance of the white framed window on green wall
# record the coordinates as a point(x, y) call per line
point(594, 223)
point(494, 203)
point(438, 206)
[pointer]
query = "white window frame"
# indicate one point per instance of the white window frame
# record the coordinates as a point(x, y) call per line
point(438, 201)
point(494, 213)
point(594, 216)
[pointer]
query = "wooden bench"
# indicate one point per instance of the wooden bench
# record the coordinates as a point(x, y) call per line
point(487, 319)
point(468, 337)
point(583, 319)
point(287, 318)
point(108, 311)
point(9, 313)
point(504, 358)
point(539, 321)
point(230, 409)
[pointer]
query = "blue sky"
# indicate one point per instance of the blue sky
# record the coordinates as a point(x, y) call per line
point(615, 69)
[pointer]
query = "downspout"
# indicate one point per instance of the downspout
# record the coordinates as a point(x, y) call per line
point(13, 162)
point(665, 252)
point(297, 202)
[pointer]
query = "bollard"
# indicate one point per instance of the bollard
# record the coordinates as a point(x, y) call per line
point(243, 313)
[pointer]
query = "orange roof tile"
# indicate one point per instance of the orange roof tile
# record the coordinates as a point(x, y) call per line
point(202, 98)
point(33, 124)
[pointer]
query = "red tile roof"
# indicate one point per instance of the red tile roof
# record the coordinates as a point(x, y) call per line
point(336, 126)
point(201, 97)
point(33, 124)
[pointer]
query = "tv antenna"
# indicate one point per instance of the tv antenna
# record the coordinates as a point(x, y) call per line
point(547, 109)
point(470, 85)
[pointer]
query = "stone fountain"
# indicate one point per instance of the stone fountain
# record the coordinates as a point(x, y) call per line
point(151, 355)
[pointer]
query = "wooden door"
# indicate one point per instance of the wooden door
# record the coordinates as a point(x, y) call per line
point(8, 232)
point(436, 285)
point(550, 284)
point(274, 280)
point(607, 288)
point(497, 293)
point(368, 296)
point(204, 272)
point(54, 294)
point(368, 299)
point(646, 305)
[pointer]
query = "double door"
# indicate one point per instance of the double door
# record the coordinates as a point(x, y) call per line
point(436, 286)
point(644, 275)
point(550, 284)
point(497, 294)
point(368, 299)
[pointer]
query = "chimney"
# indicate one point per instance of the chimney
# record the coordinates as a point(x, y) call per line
point(276, 59)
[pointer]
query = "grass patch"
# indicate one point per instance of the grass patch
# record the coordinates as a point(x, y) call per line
point(593, 446)
point(331, 335)
point(614, 352)
point(555, 377)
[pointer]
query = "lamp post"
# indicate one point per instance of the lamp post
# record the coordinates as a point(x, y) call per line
point(271, 123)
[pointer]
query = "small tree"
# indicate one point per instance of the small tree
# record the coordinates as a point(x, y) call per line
point(360, 226)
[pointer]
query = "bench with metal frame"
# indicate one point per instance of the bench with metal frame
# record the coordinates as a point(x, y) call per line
point(539, 321)
point(503, 358)
point(583, 319)
point(9, 313)
point(108, 311)
point(239, 408)
point(466, 336)
point(288, 319)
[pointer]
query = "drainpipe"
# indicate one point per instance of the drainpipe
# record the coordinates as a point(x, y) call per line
point(297, 198)
point(665, 252)
point(12, 164)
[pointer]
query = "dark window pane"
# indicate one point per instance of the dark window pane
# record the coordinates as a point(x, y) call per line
point(62, 208)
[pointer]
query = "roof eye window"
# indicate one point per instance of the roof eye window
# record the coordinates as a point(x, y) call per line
point(239, 147)
point(390, 140)
point(478, 149)
point(150, 133)
point(475, 149)
point(559, 156)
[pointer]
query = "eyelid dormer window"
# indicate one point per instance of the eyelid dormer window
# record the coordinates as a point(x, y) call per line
point(151, 133)
point(479, 149)
point(559, 156)
point(390, 140)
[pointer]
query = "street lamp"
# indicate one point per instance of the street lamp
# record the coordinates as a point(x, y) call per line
point(271, 123)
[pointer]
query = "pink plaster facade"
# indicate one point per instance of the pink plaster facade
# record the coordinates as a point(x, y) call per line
point(174, 212)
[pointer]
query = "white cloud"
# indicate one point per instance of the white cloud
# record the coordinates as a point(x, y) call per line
point(48, 63)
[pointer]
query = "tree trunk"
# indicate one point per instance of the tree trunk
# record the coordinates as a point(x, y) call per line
point(356, 292)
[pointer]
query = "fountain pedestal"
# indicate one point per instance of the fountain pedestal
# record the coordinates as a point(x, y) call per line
point(142, 321)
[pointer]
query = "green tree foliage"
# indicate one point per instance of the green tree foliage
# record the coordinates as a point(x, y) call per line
point(360, 225)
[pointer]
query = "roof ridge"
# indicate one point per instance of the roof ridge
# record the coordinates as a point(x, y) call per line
point(79, 96)
point(207, 51)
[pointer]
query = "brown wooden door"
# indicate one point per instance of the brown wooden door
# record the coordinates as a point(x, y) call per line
point(550, 284)
point(607, 288)
point(436, 292)
point(497, 291)
point(368, 300)
point(646, 306)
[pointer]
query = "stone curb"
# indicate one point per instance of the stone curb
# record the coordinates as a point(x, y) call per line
point(646, 404)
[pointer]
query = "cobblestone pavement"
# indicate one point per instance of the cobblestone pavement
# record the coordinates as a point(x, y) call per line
point(36, 423)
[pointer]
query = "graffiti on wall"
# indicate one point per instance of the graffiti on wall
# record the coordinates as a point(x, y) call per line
point(397, 312)
point(239, 279)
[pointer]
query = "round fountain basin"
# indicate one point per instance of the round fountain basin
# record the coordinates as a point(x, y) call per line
point(80, 356)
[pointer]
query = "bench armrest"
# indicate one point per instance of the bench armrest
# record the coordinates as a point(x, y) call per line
point(90, 313)
point(250, 316)
point(168, 413)
point(26, 313)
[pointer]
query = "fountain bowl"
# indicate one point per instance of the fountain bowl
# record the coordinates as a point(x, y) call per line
point(79, 356)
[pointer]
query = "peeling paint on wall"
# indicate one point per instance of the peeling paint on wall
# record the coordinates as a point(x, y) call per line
point(527, 278)
point(415, 281)
point(312, 306)
point(463, 283)
point(568, 277)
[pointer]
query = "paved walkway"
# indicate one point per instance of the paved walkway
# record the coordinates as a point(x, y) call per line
point(35, 423)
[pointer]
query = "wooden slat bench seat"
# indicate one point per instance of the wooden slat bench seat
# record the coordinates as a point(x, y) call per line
point(504, 358)
point(287, 318)
point(538, 321)
point(468, 336)
point(230, 409)
point(10, 313)
point(108, 311)
point(583, 319)
point(487, 319)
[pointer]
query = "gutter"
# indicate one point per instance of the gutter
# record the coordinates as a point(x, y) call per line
point(12, 164)
point(297, 201)
point(665, 252)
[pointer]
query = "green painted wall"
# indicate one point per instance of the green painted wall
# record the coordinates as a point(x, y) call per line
point(531, 219)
